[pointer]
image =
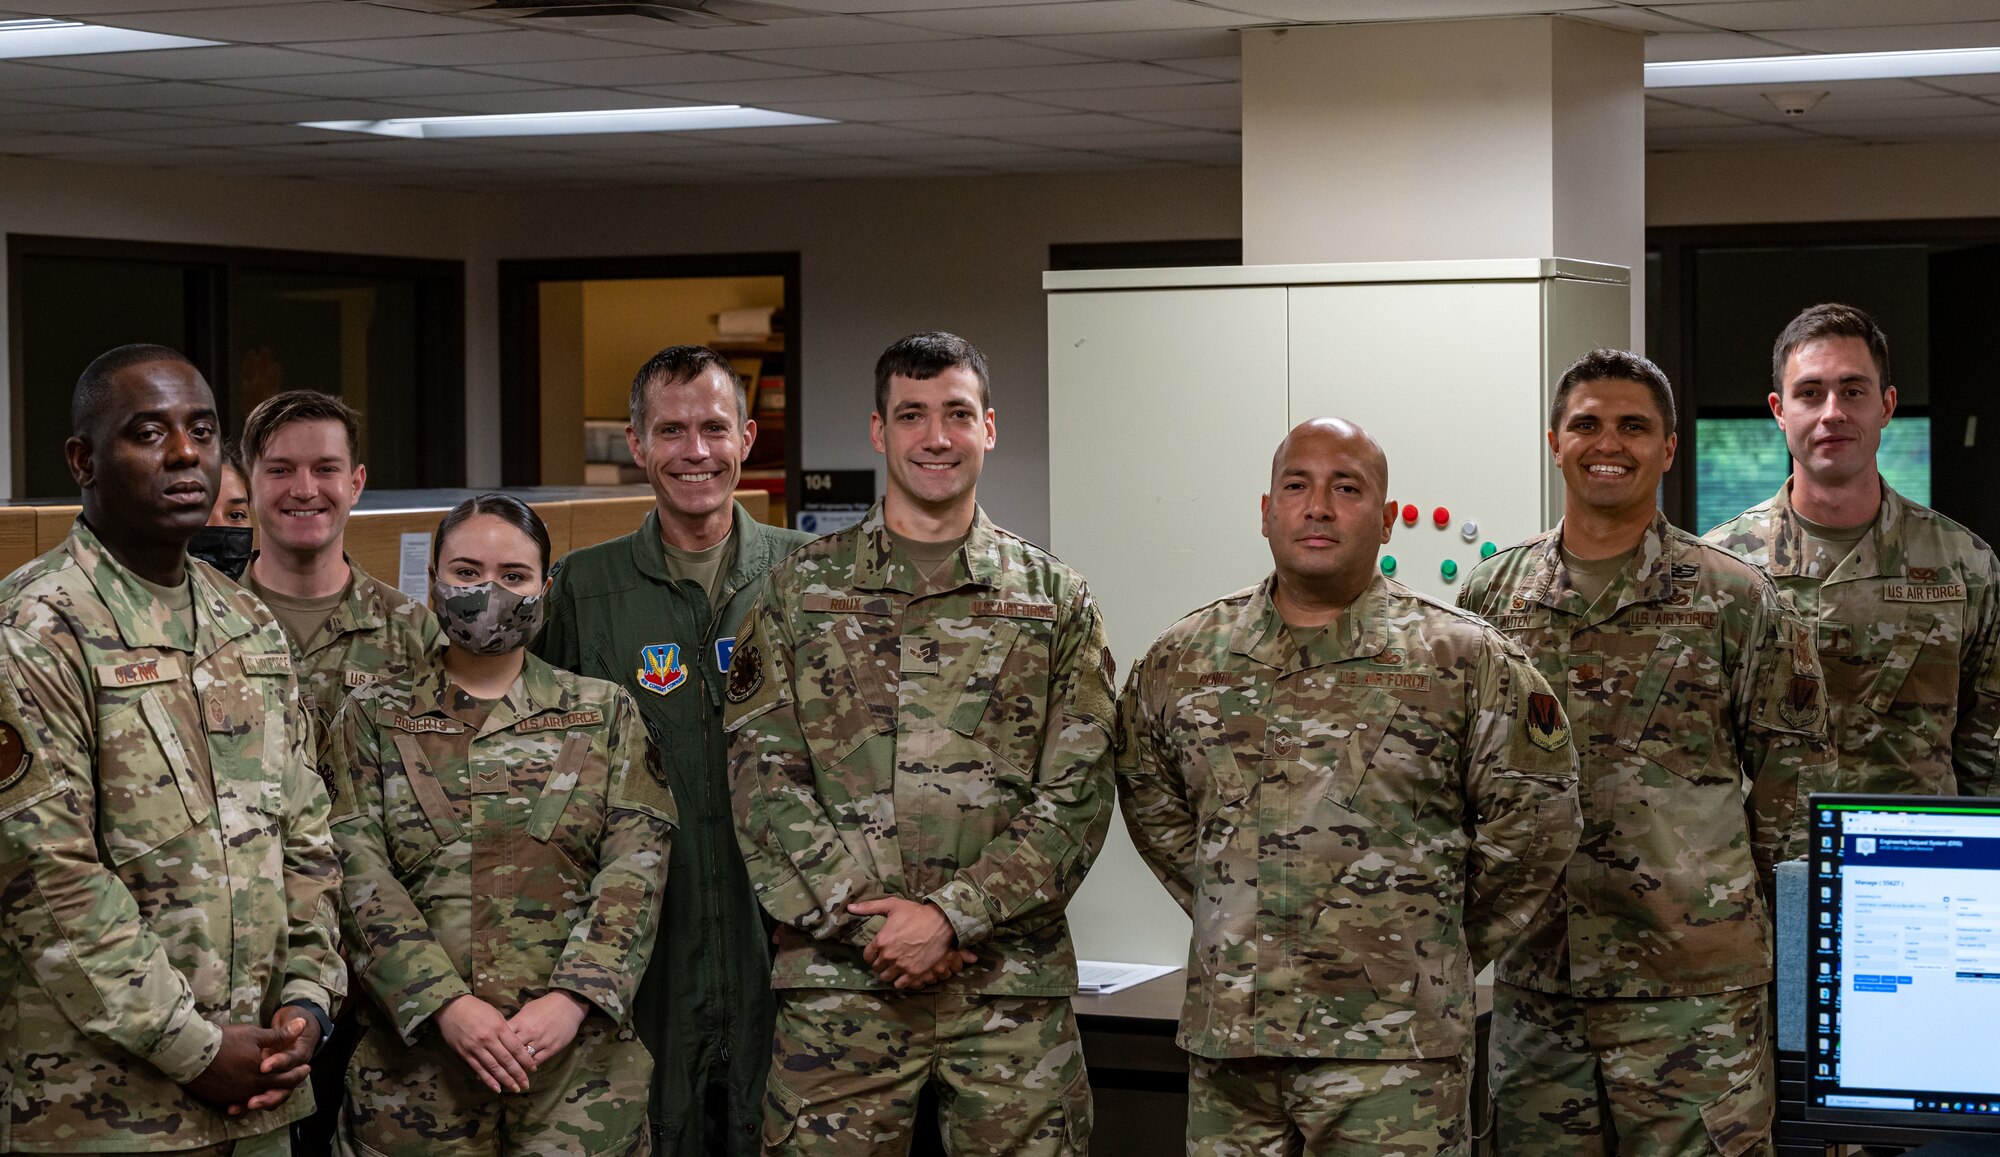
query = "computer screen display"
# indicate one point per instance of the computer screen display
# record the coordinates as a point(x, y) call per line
point(1903, 961)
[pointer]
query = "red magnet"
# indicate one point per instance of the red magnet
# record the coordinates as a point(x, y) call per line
point(1410, 513)
point(1441, 516)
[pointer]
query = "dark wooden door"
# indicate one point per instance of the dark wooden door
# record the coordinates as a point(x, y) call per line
point(1965, 386)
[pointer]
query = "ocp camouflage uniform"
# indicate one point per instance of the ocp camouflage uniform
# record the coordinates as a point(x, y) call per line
point(1699, 708)
point(165, 867)
point(1356, 819)
point(503, 850)
point(376, 634)
point(945, 740)
point(1909, 635)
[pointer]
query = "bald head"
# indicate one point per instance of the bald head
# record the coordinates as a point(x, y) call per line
point(1351, 449)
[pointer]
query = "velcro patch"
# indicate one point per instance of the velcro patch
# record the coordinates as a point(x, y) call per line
point(1217, 679)
point(1393, 680)
point(14, 757)
point(746, 672)
point(844, 605)
point(1013, 609)
point(1909, 592)
point(354, 678)
point(1543, 722)
point(160, 669)
point(1706, 620)
point(1686, 570)
point(268, 663)
point(588, 717)
point(1514, 622)
point(1800, 707)
point(421, 724)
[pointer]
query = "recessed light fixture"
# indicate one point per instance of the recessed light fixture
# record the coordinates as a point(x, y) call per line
point(45, 36)
point(686, 118)
point(1819, 68)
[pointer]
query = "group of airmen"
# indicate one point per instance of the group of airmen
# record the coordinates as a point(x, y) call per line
point(720, 839)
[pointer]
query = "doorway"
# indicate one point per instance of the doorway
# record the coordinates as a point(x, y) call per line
point(576, 331)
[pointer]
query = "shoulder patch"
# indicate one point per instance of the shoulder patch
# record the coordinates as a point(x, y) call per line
point(1800, 707)
point(660, 668)
point(725, 649)
point(1543, 722)
point(14, 756)
point(746, 673)
point(159, 669)
point(588, 717)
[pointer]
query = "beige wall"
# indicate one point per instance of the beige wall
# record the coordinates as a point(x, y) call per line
point(1848, 183)
point(626, 322)
point(879, 259)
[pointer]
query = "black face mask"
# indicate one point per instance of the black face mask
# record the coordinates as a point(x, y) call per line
point(226, 548)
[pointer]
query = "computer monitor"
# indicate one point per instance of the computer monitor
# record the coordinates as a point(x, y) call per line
point(1903, 962)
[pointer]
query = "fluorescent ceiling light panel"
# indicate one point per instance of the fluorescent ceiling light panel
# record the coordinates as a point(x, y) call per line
point(1821, 68)
point(688, 118)
point(42, 36)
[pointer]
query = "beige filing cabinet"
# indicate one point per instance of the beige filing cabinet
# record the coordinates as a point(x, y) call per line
point(1169, 389)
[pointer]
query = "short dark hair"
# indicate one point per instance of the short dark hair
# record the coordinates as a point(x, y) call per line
point(232, 457)
point(280, 410)
point(1614, 366)
point(1830, 319)
point(93, 387)
point(505, 507)
point(923, 356)
point(683, 363)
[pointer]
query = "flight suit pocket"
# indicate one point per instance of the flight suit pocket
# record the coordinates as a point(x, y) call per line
point(154, 797)
point(1676, 707)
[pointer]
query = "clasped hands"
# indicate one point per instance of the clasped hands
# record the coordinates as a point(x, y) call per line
point(502, 1050)
point(916, 946)
point(257, 1068)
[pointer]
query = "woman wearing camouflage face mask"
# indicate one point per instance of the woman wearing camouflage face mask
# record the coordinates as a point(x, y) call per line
point(504, 829)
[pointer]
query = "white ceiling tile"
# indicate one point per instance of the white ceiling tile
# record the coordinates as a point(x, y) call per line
point(1751, 96)
point(918, 108)
point(1057, 161)
point(230, 136)
point(1768, 15)
point(1900, 38)
point(12, 107)
point(91, 121)
point(1229, 120)
point(1636, 20)
point(777, 93)
point(847, 167)
point(1174, 45)
point(1053, 78)
point(549, 100)
point(664, 69)
point(1834, 114)
point(919, 147)
point(1194, 155)
point(937, 54)
point(174, 158)
point(476, 47)
point(814, 136)
point(1053, 19)
point(1204, 96)
point(375, 84)
point(52, 144)
point(806, 32)
point(90, 8)
point(1036, 128)
point(1986, 128)
point(1664, 115)
point(1709, 46)
point(1986, 85)
point(153, 94)
point(15, 75)
point(1128, 141)
point(225, 63)
point(286, 112)
point(1221, 67)
point(867, 6)
point(1728, 136)
point(1335, 11)
point(294, 23)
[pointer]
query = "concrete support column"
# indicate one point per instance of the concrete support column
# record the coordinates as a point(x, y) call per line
point(1520, 137)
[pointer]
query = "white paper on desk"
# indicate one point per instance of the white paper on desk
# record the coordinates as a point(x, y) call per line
point(1103, 977)
point(413, 572)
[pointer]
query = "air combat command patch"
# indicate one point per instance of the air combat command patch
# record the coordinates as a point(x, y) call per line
point(1801, 704)
point(660, 668)
point(1544, 722)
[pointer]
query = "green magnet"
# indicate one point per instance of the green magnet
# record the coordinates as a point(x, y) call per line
point(1449, 568)
point(1486, 549)
point(1388, 564)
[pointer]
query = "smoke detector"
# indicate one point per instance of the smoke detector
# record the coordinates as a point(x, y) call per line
point(1795, 102)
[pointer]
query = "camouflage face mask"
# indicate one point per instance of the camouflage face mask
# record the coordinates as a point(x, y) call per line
point(486, 618)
